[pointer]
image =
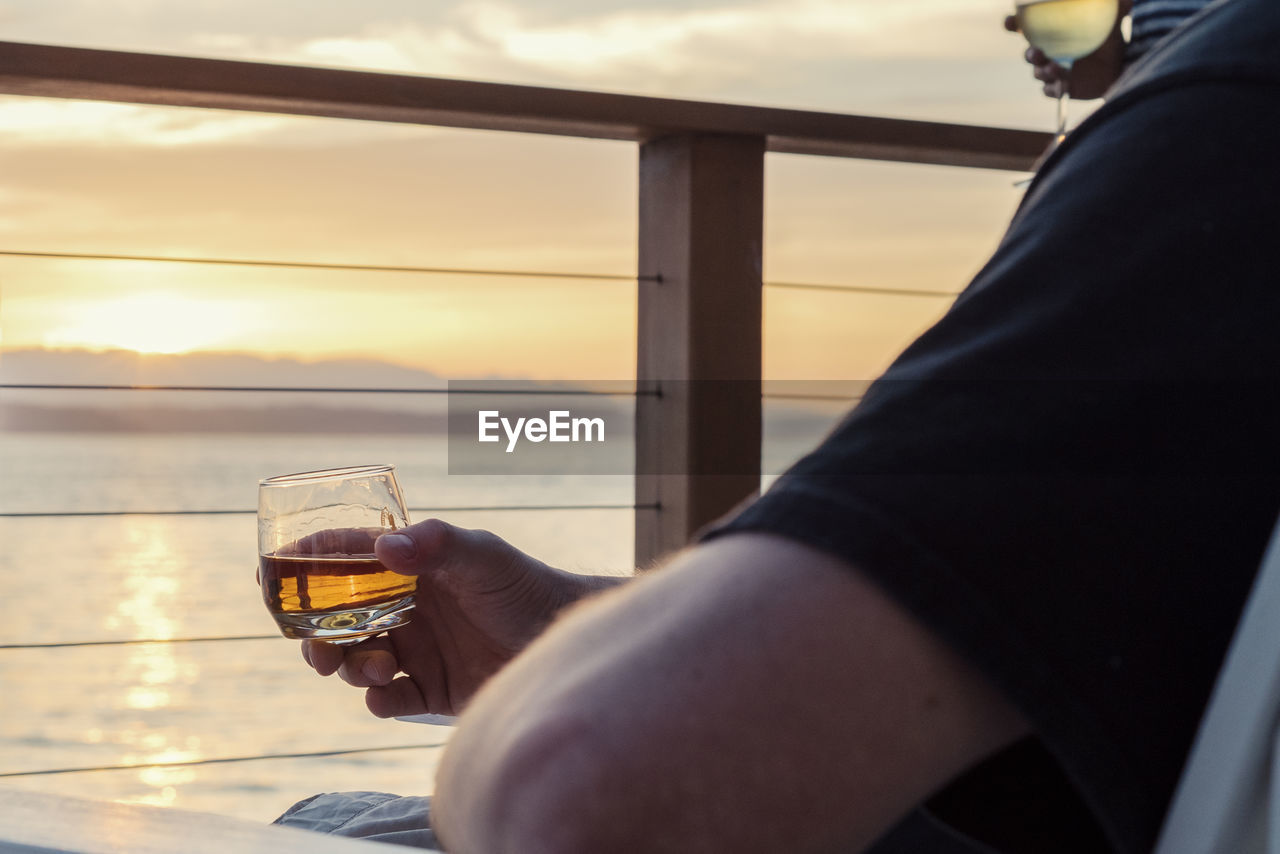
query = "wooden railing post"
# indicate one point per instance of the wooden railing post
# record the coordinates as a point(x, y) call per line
point(699, 343)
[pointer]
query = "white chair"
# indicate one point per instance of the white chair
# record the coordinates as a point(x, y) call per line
point(1228, 799)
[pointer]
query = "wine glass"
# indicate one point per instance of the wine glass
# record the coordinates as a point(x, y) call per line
point(1066, 30)
point(320, 578)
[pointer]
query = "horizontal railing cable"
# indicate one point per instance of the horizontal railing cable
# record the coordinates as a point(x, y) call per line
point(836, 398)
point(460, 508)
point(513, 392)
point(222, 760)
point(135, 641)
point(452, 271)
point(864, 289)
point(320, 265)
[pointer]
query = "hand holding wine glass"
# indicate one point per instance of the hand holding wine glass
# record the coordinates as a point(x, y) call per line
point(1065, 31)
point(1092, 75)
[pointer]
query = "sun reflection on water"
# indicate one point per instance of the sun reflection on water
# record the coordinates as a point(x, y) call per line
point(164, 782)
point(148, 555)
point(154, 679)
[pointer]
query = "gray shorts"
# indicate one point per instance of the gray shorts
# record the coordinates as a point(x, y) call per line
point(366, 815)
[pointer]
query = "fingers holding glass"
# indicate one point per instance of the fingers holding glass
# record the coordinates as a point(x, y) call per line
point(1063, 31)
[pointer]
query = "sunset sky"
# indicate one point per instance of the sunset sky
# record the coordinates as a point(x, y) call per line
point(110, 178)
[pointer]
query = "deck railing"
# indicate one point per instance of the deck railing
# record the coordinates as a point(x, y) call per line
point(701, 214)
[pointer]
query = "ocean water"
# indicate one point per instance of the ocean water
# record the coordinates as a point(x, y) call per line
point(70, 579)
point(91, 578)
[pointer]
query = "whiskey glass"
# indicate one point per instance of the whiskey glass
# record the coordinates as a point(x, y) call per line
point(319, 576)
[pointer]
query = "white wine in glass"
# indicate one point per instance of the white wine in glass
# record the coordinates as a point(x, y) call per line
point(1066, 30)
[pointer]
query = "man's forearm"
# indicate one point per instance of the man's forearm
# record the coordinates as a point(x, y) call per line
point(592, 584)
point(753, 678)
point(578, 588)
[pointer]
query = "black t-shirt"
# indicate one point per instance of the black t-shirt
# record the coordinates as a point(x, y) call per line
point(1072, 477)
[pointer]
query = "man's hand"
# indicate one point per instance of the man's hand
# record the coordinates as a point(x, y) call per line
point(1091, 76)
point(479, 602)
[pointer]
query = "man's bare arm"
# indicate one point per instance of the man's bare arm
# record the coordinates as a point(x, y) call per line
point(756, 695)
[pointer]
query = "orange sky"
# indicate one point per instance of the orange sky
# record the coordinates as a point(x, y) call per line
point(145, 180)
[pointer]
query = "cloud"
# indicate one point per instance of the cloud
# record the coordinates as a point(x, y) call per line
point(656, 50)
point(659, 38)
point(98, 123)
point(927, 59)
point(685, 38)
point(944, 59)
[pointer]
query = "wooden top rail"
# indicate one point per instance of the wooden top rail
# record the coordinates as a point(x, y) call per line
point(103, 75)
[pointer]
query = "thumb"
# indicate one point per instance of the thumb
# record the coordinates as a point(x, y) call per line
point(436, 548)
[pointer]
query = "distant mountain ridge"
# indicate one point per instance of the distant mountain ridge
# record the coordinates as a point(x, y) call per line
point(155, 411)
point(26, 418)
point(126, 367)
point(165, 411)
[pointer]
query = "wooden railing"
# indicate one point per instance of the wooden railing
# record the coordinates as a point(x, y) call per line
point(701, 219)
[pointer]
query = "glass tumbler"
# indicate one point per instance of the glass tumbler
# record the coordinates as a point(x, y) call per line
point(320, 578)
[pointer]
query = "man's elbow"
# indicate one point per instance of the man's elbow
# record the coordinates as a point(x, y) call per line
point(544, 790)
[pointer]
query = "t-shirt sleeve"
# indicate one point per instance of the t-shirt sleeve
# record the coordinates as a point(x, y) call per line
point(1071, 478)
